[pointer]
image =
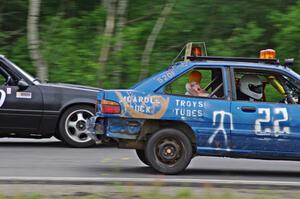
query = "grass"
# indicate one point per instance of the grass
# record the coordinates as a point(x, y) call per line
point(157, 194)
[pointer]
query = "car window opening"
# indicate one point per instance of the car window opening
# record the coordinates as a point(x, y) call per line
point(198, 82)
point(261, 86)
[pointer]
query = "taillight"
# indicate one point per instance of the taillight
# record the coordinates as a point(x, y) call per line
point(110, 107)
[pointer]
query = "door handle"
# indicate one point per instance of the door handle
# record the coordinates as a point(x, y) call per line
point(248, 109)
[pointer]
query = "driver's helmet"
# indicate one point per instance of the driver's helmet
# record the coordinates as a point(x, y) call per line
point(251, 86)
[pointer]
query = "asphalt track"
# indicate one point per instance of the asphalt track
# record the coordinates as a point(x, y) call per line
point(50, 161)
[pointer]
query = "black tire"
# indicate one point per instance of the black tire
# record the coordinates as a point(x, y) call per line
point(72, 126)
point(169, 151)
point(142, 157)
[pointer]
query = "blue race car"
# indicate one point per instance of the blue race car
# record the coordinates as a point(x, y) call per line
point(209, 106)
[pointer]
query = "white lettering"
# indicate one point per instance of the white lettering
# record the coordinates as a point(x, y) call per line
point(188, 103)
point(148, 109)
point(258, 128)
point(285, 118)
point(275, 129)
point(200, 113)
point(177, 102)
point(200, 104)
point(188, 108)
point(140, 99)
point(182, 103)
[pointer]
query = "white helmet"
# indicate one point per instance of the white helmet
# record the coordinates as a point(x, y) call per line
point(252, 86)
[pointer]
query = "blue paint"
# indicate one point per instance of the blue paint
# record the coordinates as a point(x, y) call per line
point(234, 133)
point(123, 128)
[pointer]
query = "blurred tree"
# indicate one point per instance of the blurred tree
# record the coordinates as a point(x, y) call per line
point(110, 6)
point(73, 35)
point(13, 15)
point(34, 41)
point(121, 21)
point(244, 41)
point(153, 36)
point(72, 46)
point(287, 36)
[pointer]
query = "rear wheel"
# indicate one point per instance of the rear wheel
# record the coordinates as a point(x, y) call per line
point(142, 157)
point(169, 151)
point(73, 126)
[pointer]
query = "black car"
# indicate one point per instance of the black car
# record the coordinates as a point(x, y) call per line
point(31, 109)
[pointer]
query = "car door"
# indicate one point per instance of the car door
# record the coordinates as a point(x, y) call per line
point(21, 106)
point(209, 116)
point(266, 127)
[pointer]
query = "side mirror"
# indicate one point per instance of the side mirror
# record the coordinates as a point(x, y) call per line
point(9, 81)
point(22, 84)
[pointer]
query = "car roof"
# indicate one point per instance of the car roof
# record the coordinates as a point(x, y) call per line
point(179, 68)
point(235, 63)
point(248, 65)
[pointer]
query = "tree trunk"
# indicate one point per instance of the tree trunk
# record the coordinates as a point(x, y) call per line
point(121, 21)
point(1, 16)
point(110, 6)
point(33, 40)
point(153, 36)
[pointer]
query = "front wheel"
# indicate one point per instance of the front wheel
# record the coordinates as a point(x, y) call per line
point(169, 151)
point(73, 126)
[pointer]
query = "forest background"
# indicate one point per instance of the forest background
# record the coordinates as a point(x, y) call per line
point(116, 43)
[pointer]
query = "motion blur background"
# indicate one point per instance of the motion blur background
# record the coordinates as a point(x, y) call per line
point(115, 43)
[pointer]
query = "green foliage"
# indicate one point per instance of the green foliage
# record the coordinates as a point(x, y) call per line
point(71, 34)
point(287, 36)
point(71, 46)
point(244, 42)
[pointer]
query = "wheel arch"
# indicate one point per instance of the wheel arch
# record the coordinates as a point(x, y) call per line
point(69, 105)
point(151, 126)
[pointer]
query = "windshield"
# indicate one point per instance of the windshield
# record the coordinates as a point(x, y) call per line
point(295, 74)
point(293, 85)
point(28, 76)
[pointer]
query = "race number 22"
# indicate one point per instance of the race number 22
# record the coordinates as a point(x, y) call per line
point(275, 129)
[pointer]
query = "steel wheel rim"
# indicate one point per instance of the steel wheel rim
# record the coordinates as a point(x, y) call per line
point(168, 150)
point(76, 125)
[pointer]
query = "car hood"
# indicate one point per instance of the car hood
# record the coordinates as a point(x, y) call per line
point(72, 86)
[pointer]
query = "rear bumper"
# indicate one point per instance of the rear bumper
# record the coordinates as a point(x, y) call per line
point(115, 128)
point(95, 128)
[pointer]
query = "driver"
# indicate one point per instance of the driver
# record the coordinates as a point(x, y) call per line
point(250, 88)
point(193, 85)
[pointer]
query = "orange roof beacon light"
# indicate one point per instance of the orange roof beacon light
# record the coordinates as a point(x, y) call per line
point(191, 51)
point(194, 49)
point(267, 54)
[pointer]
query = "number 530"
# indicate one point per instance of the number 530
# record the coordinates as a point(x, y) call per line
point(275, 129)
